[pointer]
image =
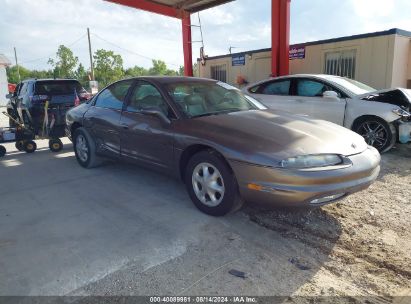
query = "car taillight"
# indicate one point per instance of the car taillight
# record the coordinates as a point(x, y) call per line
point(39, 98)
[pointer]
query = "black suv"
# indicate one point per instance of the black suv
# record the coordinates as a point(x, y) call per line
point(27, 103)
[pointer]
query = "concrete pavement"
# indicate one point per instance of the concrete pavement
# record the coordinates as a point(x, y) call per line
point(120, 229)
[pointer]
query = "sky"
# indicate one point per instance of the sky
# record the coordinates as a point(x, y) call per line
point(37, 27)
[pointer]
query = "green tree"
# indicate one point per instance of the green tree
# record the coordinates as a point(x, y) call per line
point(25, 73)
point(160, 68)
point(135, 72)
point(108, 67)
point(65, 63)
point(181, 70)
point(82, 75)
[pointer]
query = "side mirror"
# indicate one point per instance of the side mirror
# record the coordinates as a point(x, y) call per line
point(10, 95)
point(155, 112)
point(330, 94)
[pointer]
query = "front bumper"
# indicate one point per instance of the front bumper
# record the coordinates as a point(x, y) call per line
point(286, 187)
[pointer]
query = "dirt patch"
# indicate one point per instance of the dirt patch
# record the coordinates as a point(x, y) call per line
point(367, 236)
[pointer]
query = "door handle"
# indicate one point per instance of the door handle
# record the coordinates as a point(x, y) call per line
point(124, 126)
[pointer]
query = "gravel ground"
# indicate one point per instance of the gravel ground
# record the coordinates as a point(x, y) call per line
point(367, 236)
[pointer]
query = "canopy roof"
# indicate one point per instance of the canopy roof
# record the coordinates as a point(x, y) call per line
point(192, 5)
point(172, 8)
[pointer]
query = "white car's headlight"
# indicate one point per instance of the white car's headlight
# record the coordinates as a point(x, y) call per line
point(402, 113)
point(311, 161)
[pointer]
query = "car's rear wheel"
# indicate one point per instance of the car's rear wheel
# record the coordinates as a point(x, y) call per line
point(211, 184)
point(85, 149)
point(377, 133)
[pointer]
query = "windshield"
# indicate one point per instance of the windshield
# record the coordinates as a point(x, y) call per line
point(59, 87)
point(355, 87)
point(197, 99)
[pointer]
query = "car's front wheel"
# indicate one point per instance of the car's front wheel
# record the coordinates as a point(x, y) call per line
point(377, 133)
point(85, 149)
point(211, 184)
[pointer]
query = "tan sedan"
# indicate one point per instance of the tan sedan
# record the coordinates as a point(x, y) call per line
point(226, 147)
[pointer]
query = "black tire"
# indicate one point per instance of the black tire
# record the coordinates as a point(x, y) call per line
point(30, 146)
point(2, 151)
point(230, 200)
point(92, 160)
point(388, 131)
point(19, 145)
point(55, 145)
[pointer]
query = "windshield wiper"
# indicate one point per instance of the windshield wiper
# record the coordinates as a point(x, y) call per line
point(217, 113)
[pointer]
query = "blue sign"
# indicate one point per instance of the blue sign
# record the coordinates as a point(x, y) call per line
point(238, 60)
point(297, 53)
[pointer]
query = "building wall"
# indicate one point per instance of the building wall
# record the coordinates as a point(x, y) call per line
point(401, 73)
point(381, 61)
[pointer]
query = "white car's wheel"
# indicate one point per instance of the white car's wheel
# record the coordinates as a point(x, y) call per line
point(377, 133)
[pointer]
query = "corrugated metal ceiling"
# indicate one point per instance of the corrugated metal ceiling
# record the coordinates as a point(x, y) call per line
point(191, 5)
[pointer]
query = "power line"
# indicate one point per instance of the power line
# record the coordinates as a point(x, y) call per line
point(53, 54)
point(129, 51)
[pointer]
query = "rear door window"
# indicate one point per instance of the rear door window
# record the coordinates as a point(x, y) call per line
point(114, 96)
point(281, 87)
point(60, 87)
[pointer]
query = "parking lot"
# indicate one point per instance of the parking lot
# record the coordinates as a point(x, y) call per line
point(122, 230)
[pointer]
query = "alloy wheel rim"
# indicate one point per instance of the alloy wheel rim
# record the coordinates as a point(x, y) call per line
point(208, 184)
point(374, 133)
point(81, 148)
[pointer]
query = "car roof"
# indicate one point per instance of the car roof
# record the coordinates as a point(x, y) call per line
point(49, 79)
point(174, 79)
point(318, 76)
point(313, 76)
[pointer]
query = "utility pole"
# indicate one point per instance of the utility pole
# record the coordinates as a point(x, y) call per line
point(18, 69)
point(91, 56)
point(230, 49)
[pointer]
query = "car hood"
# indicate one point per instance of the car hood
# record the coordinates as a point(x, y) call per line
point(259, 136)
point(396, 96)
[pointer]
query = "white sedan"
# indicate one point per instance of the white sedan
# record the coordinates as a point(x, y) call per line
point(376, 115)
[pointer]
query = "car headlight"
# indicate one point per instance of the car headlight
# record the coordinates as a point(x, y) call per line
point(311, 161)
point(402, 113)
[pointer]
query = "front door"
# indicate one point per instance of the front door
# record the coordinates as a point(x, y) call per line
point(103, 117)
point(144, 137)
point(309, 100)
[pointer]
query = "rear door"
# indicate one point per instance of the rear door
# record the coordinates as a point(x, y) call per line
point(147, 138)
point(309, 100)
point(103, 117)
